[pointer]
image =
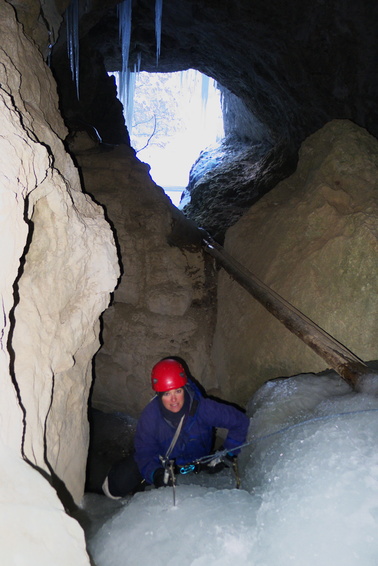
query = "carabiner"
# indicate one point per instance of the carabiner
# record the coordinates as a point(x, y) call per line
point(187, 469)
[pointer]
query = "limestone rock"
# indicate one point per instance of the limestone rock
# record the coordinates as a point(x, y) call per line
point(41, 20)
point(59, 265)
point(34, 528)
point(34, 525)
point(163, 303)
point(313, 239)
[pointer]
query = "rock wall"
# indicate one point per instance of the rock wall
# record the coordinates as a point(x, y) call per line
point(164, 304)
point(59, 265)
point(34, 528)
point(313, 239)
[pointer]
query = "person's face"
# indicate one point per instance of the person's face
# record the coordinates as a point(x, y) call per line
point(173, 400)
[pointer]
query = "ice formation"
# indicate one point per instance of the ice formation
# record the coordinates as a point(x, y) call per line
point(131, 84)
point(158, 16)
point(309, 491)
point(124, 27)
point(127, 78)
point(205, 91)
point(72, 24)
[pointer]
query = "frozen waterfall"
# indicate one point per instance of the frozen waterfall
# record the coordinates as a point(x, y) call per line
point(309, 492)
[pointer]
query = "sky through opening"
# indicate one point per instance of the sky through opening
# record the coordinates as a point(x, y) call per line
point(175, 116)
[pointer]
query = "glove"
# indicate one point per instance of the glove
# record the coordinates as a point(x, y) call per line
point(215, 468)
point(230, 456)
point(215, 465)
point(158, 478)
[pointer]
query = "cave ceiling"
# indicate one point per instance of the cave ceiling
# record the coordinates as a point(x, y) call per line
point(293, 65)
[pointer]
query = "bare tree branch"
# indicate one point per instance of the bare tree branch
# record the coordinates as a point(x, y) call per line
point(150, 137)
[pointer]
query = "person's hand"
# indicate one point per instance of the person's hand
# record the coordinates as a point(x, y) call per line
point(158, 478)
point(216, 467)
point(216, 464)
point(230, 456)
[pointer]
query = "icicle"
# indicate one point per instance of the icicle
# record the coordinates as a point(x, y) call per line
point(205, 91)
point(131, 82)
point(72, 23)
point(124, 30)
point(158, 16)
point(124, 27)
point(138, 63)
point(130, 101)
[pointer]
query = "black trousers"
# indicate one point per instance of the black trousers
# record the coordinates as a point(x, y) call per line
point(125, 478)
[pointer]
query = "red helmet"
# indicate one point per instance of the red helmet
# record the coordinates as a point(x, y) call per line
point(168, 374)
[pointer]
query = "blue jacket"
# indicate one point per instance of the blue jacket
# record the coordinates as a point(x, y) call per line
point(154, 433)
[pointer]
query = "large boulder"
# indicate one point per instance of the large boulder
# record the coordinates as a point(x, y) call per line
point(313, 239)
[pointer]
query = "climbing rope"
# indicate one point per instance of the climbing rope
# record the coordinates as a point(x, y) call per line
point(223, 453)
point(220, 455)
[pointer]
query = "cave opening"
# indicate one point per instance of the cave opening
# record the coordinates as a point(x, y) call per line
point(171, 118)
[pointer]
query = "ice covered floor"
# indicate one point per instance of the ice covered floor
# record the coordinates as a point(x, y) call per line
point(309, 492)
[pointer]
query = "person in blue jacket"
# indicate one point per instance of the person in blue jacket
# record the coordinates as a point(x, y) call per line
point(180, 422)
